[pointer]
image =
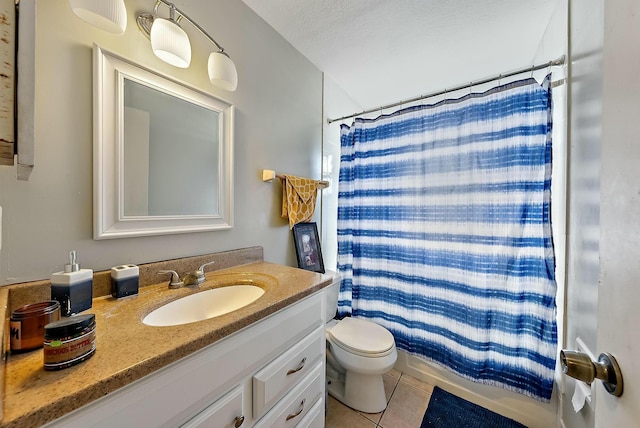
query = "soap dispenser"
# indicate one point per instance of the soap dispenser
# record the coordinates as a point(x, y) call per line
point(73, 287)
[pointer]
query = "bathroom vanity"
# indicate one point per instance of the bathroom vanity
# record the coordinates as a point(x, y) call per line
point(237, 382)
point(261, 365)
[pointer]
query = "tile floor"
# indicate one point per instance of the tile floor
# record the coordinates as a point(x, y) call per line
point(407, 400)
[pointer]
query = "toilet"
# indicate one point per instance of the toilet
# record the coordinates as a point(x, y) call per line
point(359, 352)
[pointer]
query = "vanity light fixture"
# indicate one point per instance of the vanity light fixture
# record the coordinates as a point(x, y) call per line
point(108, 15)
point(171, 44)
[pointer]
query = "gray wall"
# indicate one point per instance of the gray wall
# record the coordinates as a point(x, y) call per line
point(278, 126)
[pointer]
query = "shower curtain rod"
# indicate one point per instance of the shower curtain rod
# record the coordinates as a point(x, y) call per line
point(557, 62)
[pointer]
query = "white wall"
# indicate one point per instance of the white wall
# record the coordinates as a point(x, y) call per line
point(337, 103)
point(278, 126)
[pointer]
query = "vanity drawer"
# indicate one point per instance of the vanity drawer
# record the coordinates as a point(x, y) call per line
point(293, 408)
point(225, 412)
point(315, 417)
point(276, 378)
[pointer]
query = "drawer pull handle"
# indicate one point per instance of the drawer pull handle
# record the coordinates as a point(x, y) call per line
point(297, 369)
point(293, 415)
point(239, 420)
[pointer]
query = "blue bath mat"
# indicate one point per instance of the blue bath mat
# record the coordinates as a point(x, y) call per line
point(448, 411)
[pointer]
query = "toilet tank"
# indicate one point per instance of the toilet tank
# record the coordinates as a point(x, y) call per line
point(331, 296)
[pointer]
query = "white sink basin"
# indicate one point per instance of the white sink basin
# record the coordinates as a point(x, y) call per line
point(203, 305)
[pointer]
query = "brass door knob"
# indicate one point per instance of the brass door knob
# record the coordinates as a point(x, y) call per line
point(579, 366)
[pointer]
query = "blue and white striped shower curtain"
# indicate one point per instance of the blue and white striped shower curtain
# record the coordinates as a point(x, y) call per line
point(444, 233)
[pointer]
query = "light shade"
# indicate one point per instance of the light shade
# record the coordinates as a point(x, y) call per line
point(108, 15)
point(222, 71)
point(170, 43)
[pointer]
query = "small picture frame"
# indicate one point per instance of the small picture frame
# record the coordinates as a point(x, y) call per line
point(305, 236)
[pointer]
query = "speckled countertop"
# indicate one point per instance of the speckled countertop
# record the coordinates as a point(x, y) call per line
point(127, 350)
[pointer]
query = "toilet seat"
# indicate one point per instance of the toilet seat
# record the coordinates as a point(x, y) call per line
point(362, 338)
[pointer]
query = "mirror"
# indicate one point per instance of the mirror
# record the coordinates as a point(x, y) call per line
point(162, 154)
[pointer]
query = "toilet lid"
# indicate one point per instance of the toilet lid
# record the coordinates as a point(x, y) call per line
point(361, 336)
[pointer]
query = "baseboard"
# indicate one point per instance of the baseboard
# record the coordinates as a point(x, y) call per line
point(526, 410)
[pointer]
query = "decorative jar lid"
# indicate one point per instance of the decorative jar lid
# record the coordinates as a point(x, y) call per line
point(69, 327)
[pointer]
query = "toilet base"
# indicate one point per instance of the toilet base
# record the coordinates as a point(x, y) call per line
point(364, 393)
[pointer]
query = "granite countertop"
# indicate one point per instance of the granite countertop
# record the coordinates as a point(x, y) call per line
point(127, 350)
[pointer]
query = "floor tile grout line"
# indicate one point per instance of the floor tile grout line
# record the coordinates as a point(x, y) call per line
point(389, 401)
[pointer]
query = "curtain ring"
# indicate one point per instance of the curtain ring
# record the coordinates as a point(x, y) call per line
point(532, 71)
point(499, 79)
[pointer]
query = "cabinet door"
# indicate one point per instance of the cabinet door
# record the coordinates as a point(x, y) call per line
point(225, 412)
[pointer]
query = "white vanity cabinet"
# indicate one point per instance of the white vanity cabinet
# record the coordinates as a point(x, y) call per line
point(270, 374)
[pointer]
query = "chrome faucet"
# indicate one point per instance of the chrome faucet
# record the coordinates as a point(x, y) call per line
point(192, 278)
point(175, 281)
point(199, 274)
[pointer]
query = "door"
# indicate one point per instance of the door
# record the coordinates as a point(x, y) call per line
point(603, 293)
point(619, 288)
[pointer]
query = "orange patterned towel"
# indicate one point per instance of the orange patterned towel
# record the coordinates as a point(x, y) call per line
point(298, 198)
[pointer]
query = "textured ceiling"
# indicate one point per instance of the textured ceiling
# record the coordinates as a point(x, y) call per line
point(383, 51)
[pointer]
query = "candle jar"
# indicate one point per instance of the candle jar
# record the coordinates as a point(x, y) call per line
point(69, 341)
point(26, 325)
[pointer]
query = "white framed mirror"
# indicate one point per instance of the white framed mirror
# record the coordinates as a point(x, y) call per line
point(162, 154)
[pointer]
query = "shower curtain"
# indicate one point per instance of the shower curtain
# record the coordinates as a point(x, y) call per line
point(444, 233)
